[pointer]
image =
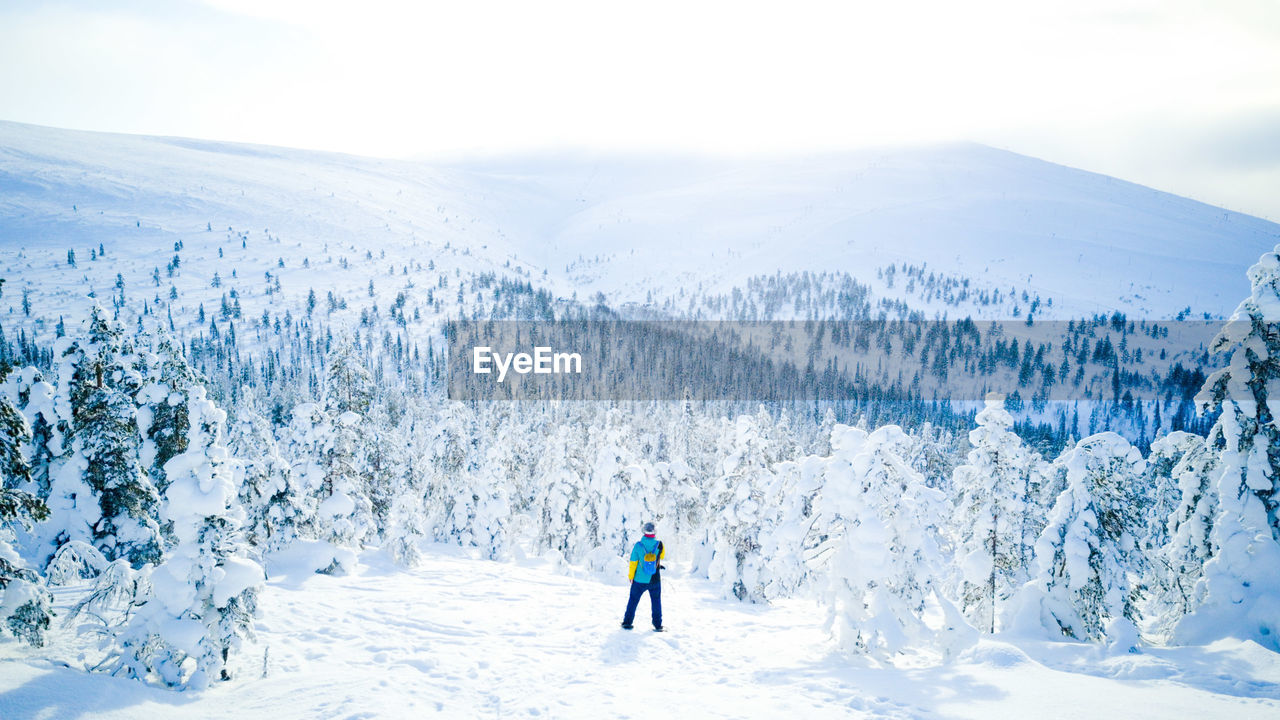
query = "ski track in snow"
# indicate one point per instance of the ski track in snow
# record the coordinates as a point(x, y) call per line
point(459, 637)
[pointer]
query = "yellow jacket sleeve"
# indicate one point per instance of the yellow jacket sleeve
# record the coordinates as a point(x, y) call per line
point(631, 574)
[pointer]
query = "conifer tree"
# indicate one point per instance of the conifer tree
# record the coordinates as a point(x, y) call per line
point(882, 555)
point(264, 486)
point(993, 504)
point(560, 474)
point(199, 604)
point(731, 546)
point(24, 600)
point(1181, 520)
point(1086, 584)
point(105, 430)
point(1242, 578)
point(163, 412)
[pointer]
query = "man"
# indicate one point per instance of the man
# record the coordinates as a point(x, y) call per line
point(645, 566)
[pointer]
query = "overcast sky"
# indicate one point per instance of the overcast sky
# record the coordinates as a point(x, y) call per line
point(1182, 95)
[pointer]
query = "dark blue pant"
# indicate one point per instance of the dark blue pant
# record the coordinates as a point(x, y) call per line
point(655, 599)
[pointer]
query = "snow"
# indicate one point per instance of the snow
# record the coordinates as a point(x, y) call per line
point(338, 504)
point(232, 577)
point(463, 637)
point(614, 224)
point(460, 637)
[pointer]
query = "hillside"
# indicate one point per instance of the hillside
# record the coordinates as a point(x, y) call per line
point(637, 229)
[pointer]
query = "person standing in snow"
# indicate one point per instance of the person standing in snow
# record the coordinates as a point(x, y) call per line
point(646, 557)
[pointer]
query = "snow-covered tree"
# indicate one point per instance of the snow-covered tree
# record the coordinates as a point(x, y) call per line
point(162, 415)
point(24, 601)
point(1085, 583)
point(561, 499)
point(342, 437)
point(1160, 486)
point(1242, 578)
point(992, 508)
point(1180, 521)
point(405, 471)
point(348, 385)
point(619, 487)
point(789, 495)
point(264, 487)
point(882, 555)
point(730, 550)
point(199, 603)
point(452, 452)
point(345, 510)
point(480, 513)
point(518, 436)
point(34, 396)
point(105, 432)
point(383, 446)
point(935, 455)
point(304, 443)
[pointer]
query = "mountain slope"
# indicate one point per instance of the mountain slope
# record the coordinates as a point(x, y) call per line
point(633, 228)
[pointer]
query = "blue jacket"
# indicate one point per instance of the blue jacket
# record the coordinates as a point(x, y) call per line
point(647, 545)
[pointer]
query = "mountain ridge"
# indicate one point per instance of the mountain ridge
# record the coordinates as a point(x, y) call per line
point(641, 229)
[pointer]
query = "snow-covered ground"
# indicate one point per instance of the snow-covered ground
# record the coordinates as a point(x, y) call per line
point(460, 637)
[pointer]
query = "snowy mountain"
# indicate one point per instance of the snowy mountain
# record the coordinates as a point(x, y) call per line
point(637, 229)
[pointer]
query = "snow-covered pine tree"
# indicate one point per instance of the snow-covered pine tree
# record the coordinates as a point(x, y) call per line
point(790, 496)
point(729, 552)
point(264, 488)
point(27, 389)
point(935, 456)
point(679, 498)
point(1178, 542)
point(560, 502)
point(618, 488)
point(74, 511)
point(452, 452)
point(200, 602)
point(518, 433)
point(24, 600)
point(881, 554)
point(682, 488)
point(1087, 560)
point(46, 453)
point(345, 508)
point(822, 436)
point(104, 428)
point(1160, 486)
point(993, 503)
point(406, 467)
point(1046, 480)
point(348, 385)
point(162, 415)
point(304, 444)
point(489, 516)
point(384, 458)
point(1242, 578)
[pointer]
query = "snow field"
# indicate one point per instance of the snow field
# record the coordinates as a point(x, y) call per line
point(465, 638)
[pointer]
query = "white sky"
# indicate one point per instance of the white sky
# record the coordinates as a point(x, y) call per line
point(1183, 95)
